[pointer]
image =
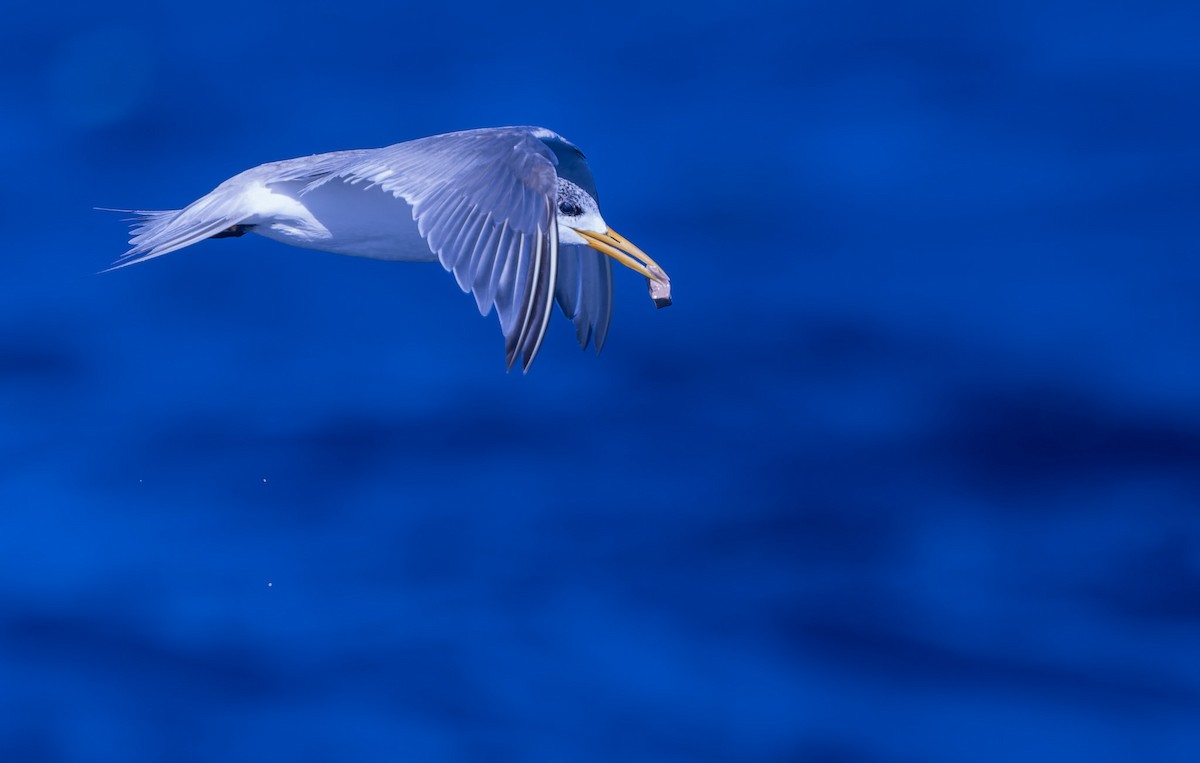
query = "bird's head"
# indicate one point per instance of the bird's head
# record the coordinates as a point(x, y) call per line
point(580, 223)
point(577, 210)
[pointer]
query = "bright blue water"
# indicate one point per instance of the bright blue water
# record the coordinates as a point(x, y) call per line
point(910, 471)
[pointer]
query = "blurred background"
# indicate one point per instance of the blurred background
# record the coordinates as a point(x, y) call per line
point(909, 472)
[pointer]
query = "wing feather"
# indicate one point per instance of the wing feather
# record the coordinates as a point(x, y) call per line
point(477, 232)
point(482, 265)
point(566, 292)
point(484, 201)
point(584, 292)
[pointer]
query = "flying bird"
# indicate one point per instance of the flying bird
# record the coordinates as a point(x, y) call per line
point(512, 212)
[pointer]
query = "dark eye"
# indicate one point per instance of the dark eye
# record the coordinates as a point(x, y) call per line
point(570, 208)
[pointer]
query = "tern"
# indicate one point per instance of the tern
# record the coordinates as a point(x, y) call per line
point(512, 212)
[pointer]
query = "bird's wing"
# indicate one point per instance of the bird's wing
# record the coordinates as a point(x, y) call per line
point(585, 292)
point(484, 202)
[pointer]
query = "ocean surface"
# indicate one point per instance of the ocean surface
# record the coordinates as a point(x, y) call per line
point(909, 472)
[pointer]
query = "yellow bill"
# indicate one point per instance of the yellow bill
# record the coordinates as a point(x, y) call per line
point(625, 252)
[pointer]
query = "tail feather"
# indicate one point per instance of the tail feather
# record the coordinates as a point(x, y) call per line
point(155, 232)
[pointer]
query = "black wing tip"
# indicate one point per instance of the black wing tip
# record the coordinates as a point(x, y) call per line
point(511, 360)
point(539, 296)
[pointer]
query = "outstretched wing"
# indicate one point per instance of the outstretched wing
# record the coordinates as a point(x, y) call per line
point(484, 202)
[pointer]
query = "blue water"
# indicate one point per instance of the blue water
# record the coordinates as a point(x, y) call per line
point(909, 472)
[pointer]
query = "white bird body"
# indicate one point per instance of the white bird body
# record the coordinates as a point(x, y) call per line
point(337, 218)
point(511, 212)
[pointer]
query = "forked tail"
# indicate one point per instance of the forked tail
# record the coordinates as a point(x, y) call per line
point(154, 233)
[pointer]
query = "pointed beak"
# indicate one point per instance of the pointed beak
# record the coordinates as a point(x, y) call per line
point(623, 251)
